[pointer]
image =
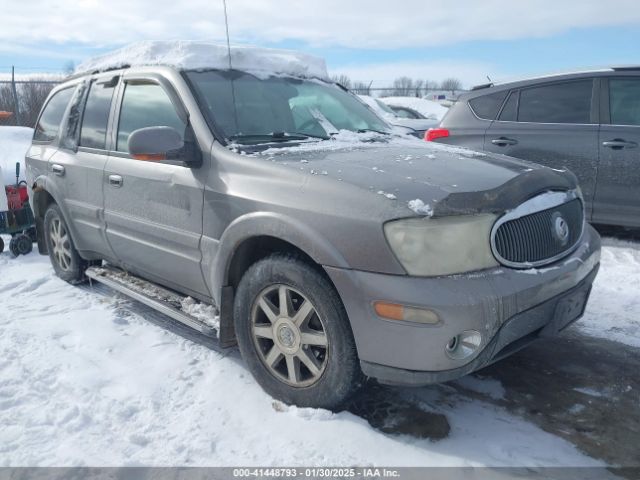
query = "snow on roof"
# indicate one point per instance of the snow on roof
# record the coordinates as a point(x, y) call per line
point(191, 55)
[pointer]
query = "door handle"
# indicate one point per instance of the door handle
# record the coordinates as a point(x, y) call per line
point(619, 144)
point(115, 181)
point(57, 169)
point(503, 141)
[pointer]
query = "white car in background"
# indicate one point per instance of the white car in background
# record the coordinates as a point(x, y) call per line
point(416, 125)
point(409, 107)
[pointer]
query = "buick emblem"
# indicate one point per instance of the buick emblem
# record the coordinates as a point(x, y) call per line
point(560, 228)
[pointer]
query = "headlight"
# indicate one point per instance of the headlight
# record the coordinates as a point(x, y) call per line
point(442, 246)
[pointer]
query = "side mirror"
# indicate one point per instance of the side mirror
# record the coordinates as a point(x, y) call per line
point(155, 144)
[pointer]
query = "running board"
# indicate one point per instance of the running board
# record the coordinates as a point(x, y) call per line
point(165, 301)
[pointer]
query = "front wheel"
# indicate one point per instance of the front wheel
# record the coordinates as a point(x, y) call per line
point(63, 255)
point(294, 334)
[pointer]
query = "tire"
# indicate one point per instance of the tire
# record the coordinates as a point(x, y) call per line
point(1, 245)
point(62, 252)
point(21, 244)
point(304, 372)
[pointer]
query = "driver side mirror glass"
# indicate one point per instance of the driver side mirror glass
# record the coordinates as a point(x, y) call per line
point(155, 144)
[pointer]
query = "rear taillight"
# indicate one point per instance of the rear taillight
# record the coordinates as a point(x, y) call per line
point(435, 133)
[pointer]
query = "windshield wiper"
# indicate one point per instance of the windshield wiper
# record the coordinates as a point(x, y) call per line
point(274, 137)
point(365, 130)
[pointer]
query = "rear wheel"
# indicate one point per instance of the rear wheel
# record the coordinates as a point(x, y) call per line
point(294, 334)
point(64, 257)
point(1, 245)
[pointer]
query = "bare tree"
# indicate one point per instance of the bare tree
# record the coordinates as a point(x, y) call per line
point(417, 85)
point(361, 88)
point(451, 84)
point(343, 80)
point(7, 104)
point(402, 86)
point(430, 85)
point(32, 96)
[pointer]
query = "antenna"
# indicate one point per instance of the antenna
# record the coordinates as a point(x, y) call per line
point(488, 77)
point(226, 26)
point(233, 89)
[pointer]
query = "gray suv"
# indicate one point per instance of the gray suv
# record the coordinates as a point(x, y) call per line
point(588, 122)
point(328, 257)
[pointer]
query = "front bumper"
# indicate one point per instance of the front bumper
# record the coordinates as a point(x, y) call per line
point(508, 307)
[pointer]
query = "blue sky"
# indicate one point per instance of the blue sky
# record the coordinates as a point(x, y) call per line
point(368, 41)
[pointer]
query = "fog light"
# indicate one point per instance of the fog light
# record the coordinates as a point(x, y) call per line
point(393, 311)
point(464, 345)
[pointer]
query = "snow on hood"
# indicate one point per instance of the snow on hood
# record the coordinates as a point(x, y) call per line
point(423, 178)
point(14, 143)
point(188, 55)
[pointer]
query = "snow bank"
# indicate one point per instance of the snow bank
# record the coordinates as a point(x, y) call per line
point(612, 312)
point(187, 55)
point(86, 379)
point(425, 107)
point(14, 143)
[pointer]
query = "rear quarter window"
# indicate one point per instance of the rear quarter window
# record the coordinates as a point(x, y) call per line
point(49, 122)
point(487, 106)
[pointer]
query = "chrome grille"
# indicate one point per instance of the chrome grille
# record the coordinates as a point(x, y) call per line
point(540, 237)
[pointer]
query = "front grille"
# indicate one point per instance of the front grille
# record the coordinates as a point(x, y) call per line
point(537, 238)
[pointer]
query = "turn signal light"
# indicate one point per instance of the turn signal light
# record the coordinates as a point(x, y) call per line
point(394, 311)
point(149, 157)
point(434, 133)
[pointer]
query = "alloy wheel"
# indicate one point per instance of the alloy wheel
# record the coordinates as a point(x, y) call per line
point(61, 244)
point(289, 335)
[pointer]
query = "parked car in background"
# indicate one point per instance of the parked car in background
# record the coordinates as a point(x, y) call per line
point(332, 249)
point(409, 106)
point(588, 122)
point(417, 124)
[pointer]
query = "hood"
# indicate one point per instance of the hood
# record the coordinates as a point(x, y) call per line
point(439, 179)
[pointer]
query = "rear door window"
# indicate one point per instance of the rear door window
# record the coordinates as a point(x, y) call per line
point(145, 105)
point(568, 102)
point(49, 122)
point(624, 101)
point(96, 116)
point(487, 106)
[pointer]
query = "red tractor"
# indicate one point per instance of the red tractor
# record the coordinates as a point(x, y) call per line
point(17, 219)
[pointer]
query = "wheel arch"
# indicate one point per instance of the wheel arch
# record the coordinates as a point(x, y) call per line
point(256, 236)
point(43, 197)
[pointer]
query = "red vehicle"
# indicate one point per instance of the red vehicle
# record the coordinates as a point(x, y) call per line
point(17, 220)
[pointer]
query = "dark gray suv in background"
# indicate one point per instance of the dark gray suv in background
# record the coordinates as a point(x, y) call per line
point(331, 248)
point(588, 122)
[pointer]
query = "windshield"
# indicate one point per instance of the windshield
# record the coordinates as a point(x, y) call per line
point(248, 109)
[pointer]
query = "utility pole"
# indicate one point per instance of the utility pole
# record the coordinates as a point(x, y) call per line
point(16, 105)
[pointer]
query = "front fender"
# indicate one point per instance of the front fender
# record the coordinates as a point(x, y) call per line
point(260, 224)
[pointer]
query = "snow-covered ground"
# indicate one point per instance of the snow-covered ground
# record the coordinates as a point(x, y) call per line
point(90, 378)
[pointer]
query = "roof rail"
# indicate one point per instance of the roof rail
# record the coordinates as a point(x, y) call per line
point(480, 87)
point(626, 68)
